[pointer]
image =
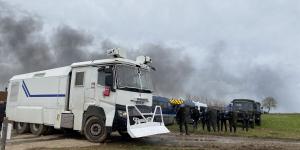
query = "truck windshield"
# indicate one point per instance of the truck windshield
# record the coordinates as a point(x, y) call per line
point(134, 79)
point(258, 107)
point(243, 106)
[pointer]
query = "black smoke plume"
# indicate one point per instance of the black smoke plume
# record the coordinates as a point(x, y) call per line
point(174, 69)
point(25, 49)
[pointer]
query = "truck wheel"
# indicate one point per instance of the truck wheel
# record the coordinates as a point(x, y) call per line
point(124, 134)
point(94, 130)
point(22, 127)
point(49, 131)
point(38, 129)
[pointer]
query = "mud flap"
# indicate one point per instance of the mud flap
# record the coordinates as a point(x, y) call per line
point(145, 124)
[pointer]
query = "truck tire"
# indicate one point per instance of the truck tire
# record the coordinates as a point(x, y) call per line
point(22, 127)
point(49, 131)
point(38, 129)
point(94, 130)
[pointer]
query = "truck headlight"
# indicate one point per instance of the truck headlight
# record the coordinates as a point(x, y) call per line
point(122, 113)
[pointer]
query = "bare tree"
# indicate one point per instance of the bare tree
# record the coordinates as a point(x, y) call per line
point(269, 103)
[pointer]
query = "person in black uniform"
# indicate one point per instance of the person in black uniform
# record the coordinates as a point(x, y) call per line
point(203, 117)
point(195, 115)
point(232, 118)
point(222, 120)
point(246, 119)
point(212, 119)
point(181, 117)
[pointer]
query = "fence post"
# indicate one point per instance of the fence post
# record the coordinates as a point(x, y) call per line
point(3, 134)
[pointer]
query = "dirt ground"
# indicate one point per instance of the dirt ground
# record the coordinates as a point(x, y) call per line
point(166, 141)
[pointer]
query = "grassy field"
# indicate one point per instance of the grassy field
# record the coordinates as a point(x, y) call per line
point(282, 126)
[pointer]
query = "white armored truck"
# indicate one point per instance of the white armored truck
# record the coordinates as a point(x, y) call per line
point(94, 97)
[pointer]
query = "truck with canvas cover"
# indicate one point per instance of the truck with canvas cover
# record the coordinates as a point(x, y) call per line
point(244, 108)
point(94, 97)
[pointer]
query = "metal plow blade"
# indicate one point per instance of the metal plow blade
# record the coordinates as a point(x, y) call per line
point(144, 124)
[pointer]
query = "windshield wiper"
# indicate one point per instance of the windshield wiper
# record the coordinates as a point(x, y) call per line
point(146, 91)
point(134, 89)
point(129, 88)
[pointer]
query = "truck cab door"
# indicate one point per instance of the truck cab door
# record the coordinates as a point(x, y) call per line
point(106, 92)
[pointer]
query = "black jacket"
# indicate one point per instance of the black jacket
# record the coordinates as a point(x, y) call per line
point(195, 114)
point(181, 114)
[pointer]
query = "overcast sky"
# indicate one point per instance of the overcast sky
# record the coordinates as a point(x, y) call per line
point(255, 35)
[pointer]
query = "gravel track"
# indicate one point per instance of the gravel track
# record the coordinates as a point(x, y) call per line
point(167, 141)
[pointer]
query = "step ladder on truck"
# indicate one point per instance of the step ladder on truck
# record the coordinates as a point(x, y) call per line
point(93, 97)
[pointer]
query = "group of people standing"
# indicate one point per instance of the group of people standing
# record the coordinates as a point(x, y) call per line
point(211, 118)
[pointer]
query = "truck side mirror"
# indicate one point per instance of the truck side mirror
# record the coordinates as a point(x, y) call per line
point(109, 82)
point(108, 70)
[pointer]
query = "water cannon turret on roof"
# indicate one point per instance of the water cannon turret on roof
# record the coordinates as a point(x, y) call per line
point(144, 60)
point(116, 53)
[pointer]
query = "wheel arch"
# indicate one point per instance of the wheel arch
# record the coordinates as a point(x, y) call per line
point(93, 111)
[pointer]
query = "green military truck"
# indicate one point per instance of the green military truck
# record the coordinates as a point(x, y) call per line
point(245, 109)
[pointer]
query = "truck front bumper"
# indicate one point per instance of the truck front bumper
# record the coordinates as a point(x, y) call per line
point(144, 124)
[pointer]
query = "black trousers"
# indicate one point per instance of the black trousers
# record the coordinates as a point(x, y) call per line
point(181, 124)
point(195, 123)
point(203, 121)
point(232, 125)
point(223, 124)
point(245, 124)
point(212, 124)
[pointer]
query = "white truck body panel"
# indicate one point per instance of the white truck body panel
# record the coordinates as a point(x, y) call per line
point(40, 97)
point(44, 97)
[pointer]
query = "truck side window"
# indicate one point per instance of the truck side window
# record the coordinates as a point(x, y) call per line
point(101, 77)
point(79, 78)
point(14, 92)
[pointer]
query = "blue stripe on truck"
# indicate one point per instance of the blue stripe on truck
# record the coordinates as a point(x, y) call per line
point(25, 90)
point(48, 95)
point(27, 93)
